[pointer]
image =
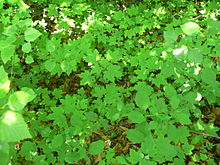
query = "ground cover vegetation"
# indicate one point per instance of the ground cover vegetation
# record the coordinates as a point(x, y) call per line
point(85, 82)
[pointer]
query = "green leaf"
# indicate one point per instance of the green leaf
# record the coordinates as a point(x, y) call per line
point(142, 99)
point(92, 116)
point(26, 48)
point(135, 136)
point(13, 1)
point(180, 53)
point(182, 117)
point(30, 92)
point(4, 88)
point(177, 134)
point(112, 72)
point(136, 117)
point(66, 66)
point(50, 46)
point(58, 117)
point(57, 141)
point(148, 145)
point(165, 149)
point(171, 35)
point(29, 59)
point(19, 99)
point(72, 157)
point(178, 161)
point(13, 127)
point(4, 153)
point(27, 149)
point(135, 156)
point(7, 53)
point(190, 28)
point(50, 65)
point(96, 147)
point(110, 154)
point(169, 91)
point(174, 102)
point(3, 74)
point(141, 86)
point(195, 56)
point(31, 34)
point(4, 83)
point(121, 159)
point(208, 76)
point(213, 26)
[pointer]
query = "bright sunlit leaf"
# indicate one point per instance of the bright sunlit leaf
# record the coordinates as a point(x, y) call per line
point(13, 127)
point(190, 28)
point(31, 34)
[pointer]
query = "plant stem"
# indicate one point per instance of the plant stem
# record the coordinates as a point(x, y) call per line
point(204, 134)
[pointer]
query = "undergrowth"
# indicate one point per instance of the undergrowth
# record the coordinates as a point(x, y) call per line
point(109, 82)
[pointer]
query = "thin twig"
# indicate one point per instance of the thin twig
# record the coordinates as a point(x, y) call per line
point(204, 134)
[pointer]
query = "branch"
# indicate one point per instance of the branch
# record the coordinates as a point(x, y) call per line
point(204, 134)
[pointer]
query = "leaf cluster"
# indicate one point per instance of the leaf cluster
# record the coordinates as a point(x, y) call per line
point(109, 82)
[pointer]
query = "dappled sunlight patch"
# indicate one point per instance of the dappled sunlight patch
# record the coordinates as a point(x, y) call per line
point(9, 118)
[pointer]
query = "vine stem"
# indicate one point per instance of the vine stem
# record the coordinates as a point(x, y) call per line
point(204, 134)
